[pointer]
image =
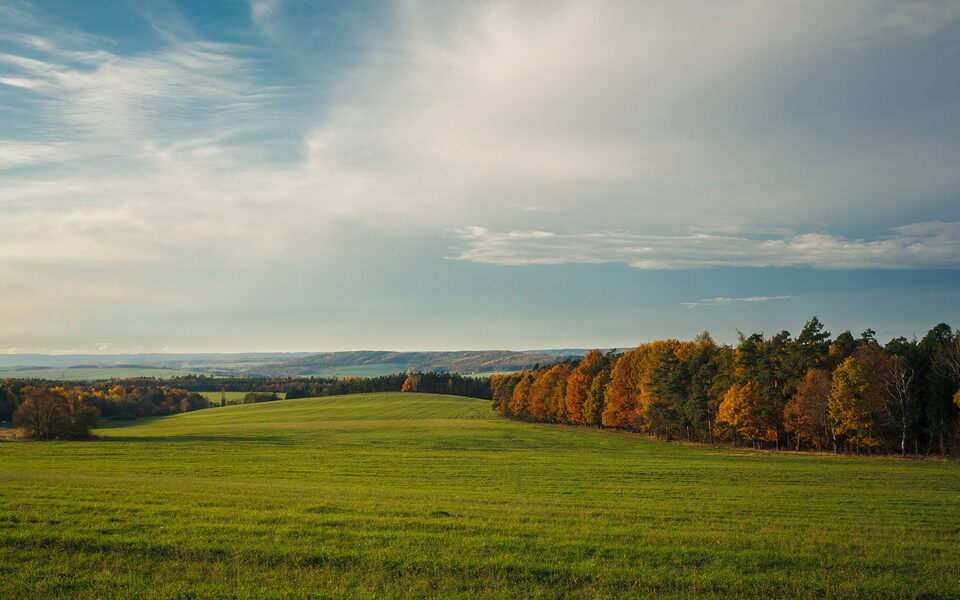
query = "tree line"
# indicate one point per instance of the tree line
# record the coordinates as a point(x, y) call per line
point(429, 382)
point(310, 387)
point(46, 410)
point(809, 392)
point(51, 410)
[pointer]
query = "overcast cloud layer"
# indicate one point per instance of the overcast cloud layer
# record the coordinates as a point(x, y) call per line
point(166, 162)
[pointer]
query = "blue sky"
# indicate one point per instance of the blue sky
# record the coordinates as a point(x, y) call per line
point(415, 174)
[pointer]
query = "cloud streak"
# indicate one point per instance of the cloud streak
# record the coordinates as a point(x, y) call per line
point(932, 245)
point(722, 300)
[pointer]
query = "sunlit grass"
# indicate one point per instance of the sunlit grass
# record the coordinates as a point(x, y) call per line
point(417, 495)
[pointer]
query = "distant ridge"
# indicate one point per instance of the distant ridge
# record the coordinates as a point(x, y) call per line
point(152, 359)
point(570, 351)
point(292, 364)
point(464, 362)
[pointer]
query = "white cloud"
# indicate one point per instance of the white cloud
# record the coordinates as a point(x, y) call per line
point(16, 153)
point(611, 116)
point(128, 97)
point(913, 19)
point(722, 300)
point(607, 113)
point(930, 245)
point(262, 9)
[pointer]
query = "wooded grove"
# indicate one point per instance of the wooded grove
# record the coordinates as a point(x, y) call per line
point(809, 392)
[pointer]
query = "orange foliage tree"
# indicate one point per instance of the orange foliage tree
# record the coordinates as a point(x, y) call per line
point(546, 400)
point(518, 400)
point(806, 415)
point(623, 393)
point(578, 385)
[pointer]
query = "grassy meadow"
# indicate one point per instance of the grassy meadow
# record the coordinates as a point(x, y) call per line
point(215, 397)
point(424, 496)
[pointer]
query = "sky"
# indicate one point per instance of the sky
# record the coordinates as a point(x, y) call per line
point(292, 175)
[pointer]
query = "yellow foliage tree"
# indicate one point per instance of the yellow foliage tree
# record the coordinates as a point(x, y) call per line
point(518, 400)
point(854, 403)
point(596, 398)
point(741, 412)
point(658, 353)
point(411, 384)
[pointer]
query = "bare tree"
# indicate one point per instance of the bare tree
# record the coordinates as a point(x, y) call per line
point(898, 383)
point(949, 358)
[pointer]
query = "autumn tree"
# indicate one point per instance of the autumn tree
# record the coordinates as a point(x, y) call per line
point(411, 384)
point(724, 365)
point(841, 347)
point(537, 397)
point(768, 364)
point(502, 387)
point(658, 411)
point(741, 413)
point(595, 402)
point(854, 403)
point(808, 391)
point(51, 413)
point(623, 393)
point(806, 415)
point(557, 401)
point(578, 385)
point(518, 400)
point(547, 397)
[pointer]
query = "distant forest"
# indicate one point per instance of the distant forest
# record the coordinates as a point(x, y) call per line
point(53, 409)
point(810, 392)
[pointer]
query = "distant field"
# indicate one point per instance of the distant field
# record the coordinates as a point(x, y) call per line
point(384, 369)
point(90, 373)
point(215, 396)
point(360, 370)
point(424, 496)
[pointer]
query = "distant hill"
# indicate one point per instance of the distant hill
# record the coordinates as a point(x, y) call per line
point(374, 362)
point(361, 363)
point(570, 351)
point(198, 361)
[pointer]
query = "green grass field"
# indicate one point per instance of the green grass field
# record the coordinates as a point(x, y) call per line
point(423, 496)
point(215, 396)
point(92, 373)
